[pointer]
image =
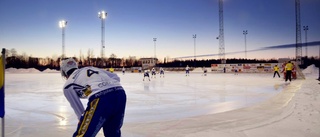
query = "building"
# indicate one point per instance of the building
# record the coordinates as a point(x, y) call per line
point(148, 63)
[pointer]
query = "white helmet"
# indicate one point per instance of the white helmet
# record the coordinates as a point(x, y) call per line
point(67, 65)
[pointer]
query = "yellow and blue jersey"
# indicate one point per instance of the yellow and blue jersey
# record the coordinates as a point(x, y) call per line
point(2, 68)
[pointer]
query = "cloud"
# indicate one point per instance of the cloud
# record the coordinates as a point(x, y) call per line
point(310, 44)
point(285, 46)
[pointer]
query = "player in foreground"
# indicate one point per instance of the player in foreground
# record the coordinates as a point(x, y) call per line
point(107, 99)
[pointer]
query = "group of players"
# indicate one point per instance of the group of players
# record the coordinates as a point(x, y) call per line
point(153, 72)
point(288, 71)
point(106, 97)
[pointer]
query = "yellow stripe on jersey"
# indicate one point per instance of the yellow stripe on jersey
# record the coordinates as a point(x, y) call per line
point(87, 118)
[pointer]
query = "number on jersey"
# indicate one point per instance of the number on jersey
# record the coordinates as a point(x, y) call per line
point(91, 72)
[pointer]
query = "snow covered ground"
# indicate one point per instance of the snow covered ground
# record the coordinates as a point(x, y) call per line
point(223, 105)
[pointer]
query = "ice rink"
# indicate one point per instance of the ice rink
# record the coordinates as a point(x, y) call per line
point(176, 105)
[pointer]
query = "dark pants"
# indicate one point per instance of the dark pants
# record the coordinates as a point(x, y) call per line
point(105, 110)
point(288, 75)
point(276, 72)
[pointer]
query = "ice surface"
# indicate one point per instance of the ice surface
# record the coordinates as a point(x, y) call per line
point(35, 105)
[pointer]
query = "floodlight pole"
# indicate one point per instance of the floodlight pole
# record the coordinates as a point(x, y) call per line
point(298, 33)
point(221, 34)
point(154, 60)
point(194, 44)
point(62, 25)
point(102, 15)
point(306, 28)
point(245, 32)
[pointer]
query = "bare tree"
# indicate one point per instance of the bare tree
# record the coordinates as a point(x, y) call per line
point(112, 59)
point(13, 52)
point(25, 57)
point(90, 56)
point(8, 53)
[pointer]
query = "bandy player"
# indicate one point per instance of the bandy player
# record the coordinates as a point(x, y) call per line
point(107, 99)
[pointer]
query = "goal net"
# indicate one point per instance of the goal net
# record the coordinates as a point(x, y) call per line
point(299, 73)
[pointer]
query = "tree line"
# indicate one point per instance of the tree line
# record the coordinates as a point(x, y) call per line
point(15, 60)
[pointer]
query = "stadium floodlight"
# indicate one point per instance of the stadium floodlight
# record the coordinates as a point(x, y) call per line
point(62, 25)
point(306, 28)
point(102, 15)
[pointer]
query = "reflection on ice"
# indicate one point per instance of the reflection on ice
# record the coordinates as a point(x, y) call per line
point(177, 96)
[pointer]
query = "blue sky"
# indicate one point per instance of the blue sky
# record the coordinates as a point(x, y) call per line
point(31, 27)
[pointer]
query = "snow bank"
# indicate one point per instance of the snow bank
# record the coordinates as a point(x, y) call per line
point(30, 70)
point(312, 69)
point(201, 69)
point(50, 71)
point(22, 70)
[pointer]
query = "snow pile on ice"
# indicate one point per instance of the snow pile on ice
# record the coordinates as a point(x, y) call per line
point(22, 70)
point(30, 70)
point(50, 71)
point(200, 69)
point(311, 69)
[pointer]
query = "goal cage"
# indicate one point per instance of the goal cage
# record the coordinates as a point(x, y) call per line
point(299, 73)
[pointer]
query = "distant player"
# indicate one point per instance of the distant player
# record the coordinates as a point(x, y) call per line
point(153, 73)
point(204, 71)
point(111, 70)
point(289, 67)
point(187, 70)
point(140, 70)
point(284, 70)
point(123, 70)
point(276, 71)
point(236, 70)
point(161, 72)
point(146, 74)
point(294, 72)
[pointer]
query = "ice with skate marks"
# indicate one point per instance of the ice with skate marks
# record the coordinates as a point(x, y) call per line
point(146, 86)
point(280, 85)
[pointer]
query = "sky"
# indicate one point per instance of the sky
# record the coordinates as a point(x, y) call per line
point(31, 27)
